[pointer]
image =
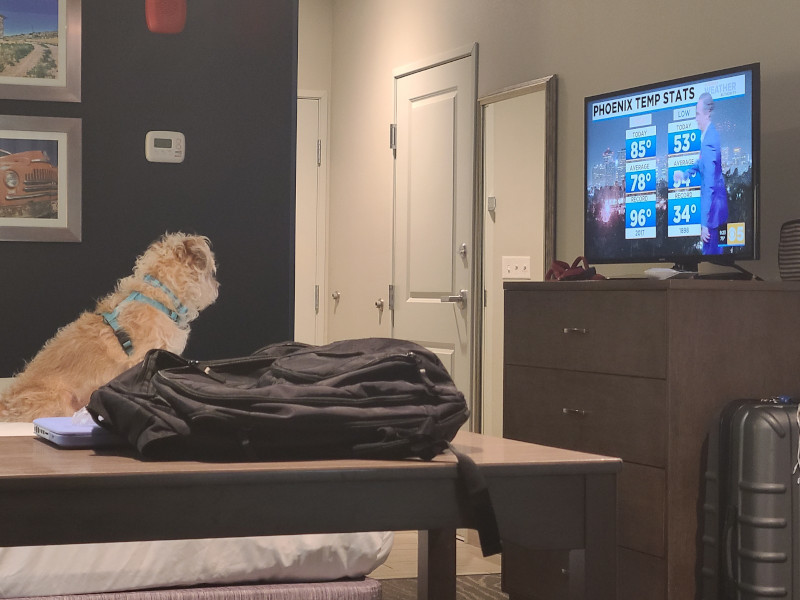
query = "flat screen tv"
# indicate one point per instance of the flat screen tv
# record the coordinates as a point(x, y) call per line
point(672, 171)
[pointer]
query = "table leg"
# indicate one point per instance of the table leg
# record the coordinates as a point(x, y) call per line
point(436, 565)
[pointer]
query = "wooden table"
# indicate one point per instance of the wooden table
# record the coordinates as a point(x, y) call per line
point(544, 498)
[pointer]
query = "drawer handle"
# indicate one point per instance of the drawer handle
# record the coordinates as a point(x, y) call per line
point(579, 330)
point(574, 411)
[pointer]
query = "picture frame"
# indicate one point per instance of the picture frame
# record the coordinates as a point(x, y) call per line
point(40, 179)
point(40, 50)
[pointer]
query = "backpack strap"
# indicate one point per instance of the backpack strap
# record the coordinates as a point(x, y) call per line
point(480, 501)
point(424, 444)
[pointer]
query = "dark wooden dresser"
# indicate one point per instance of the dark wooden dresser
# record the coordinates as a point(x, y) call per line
point(638, 369)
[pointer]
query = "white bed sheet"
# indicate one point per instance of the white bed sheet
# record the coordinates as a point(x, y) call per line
point(92, 568)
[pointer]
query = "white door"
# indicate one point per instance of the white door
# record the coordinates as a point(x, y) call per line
point(309, 221)
point(433, 253)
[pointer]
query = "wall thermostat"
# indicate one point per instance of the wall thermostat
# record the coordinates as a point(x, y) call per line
point(164, 146)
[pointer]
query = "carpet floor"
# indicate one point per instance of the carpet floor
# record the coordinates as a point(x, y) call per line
point(468, 587)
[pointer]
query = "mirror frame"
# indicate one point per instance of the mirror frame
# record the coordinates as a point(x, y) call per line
point(548, 85)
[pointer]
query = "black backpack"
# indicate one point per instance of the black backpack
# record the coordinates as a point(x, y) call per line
point(368, 398)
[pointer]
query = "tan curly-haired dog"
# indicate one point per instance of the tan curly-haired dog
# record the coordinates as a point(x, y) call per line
point(171, 283)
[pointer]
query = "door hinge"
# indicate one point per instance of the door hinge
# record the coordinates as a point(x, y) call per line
point(391, 297)
point(316, 298)
point(393, 136)
point(319, 153)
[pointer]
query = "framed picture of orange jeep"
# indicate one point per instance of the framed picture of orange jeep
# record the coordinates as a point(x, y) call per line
point(40, 50)
point(40, 179)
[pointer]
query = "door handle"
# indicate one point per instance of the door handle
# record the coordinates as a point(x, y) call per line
point(578, 412)
point(575, 330)
point(461, 299)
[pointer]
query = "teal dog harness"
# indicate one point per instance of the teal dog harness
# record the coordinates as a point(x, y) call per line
point(111, 319)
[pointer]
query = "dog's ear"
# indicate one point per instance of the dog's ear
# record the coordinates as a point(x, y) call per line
point(196, 252)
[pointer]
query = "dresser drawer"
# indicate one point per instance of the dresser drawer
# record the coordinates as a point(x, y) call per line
point(590, 412)
point(545, 575)
point(535, 574)
point(640, 576)
point(598, 331)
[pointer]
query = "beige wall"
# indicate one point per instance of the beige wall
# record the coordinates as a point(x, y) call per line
point(592, 47)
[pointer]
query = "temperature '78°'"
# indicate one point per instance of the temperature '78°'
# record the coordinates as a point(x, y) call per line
point(639, 181)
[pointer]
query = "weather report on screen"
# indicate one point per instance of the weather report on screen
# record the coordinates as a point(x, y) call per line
point(643, 184)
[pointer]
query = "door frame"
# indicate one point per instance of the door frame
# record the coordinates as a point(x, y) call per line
point(321, 325)
point(476, 266)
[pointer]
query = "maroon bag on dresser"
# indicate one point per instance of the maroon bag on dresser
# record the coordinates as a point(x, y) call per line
point(561, 271)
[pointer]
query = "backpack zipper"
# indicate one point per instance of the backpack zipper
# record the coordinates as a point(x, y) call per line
point(312, 400)
point(409, 358)
point(195, 364)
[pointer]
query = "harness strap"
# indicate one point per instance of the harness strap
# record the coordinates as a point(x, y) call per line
point(176, 302)
point(140, 297)
point(111, 318)
point(122, 335)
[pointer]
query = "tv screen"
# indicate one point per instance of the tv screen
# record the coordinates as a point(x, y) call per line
point(672, 171)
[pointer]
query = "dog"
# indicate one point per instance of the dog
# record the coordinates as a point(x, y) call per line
point(172, 281)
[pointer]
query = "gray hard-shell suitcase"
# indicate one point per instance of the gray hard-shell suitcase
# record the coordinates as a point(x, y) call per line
point(751, 520)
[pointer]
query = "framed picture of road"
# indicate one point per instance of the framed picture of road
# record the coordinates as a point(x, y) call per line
point(40, 50)
point(40, 179)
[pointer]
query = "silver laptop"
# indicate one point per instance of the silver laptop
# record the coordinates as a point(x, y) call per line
point(64, 432)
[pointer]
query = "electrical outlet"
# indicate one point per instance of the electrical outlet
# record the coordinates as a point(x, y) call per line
point(516, 267)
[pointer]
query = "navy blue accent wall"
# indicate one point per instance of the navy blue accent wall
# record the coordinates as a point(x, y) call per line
point(229, 83)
